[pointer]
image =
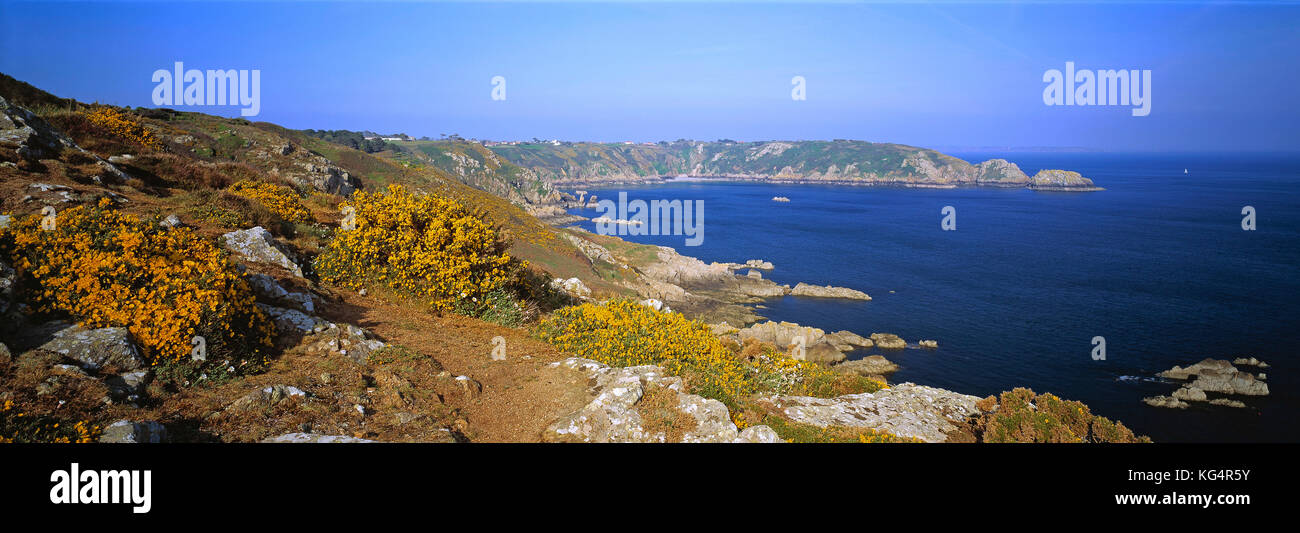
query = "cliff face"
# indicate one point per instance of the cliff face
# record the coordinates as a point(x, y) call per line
point(812, 161)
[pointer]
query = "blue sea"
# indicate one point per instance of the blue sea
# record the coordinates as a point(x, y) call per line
point(1158, 264)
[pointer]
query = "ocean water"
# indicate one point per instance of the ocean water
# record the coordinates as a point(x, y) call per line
point(1157, 264)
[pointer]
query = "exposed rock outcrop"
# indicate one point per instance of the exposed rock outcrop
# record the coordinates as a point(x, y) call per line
point(612, 415)
point(846, 341)
point(1249, 361)
point(1218, 375)
point(1168, 402)
point(828, 291)
point(94, 349)
point(31, 138)
point(1000, 173)
point(258, 245)
point(872, 365)
point(573, 287)
point(266, 397)
point(905, 410)
point(782, 334)
point(1061, 180)
point(313, 438)
point(1190, 394)
point(888, 341)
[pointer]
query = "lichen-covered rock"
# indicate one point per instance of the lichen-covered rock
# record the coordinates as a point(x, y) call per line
point(314, 438)
point(906, 410)
point(346, 340)
point(573, 287)
point(126, 431)
point(612, 416)
point(258, 245)
point(266, 287)
point(33, 139)
point(295, 321)
point(266, 397)
point(29, 134)
point(94, 349)
point(759, 434)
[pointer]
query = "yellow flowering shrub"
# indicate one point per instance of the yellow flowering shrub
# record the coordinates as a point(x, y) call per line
point(281, 200)
point(22, 427)
point(102, 268)
point(122, 126)
point(622, 332)
point(427, 246)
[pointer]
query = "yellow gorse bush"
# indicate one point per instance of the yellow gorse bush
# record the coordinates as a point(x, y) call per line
point(104, 268)
point(427, 246)
point(281, 200)
point(622, 332)
point(122, 126)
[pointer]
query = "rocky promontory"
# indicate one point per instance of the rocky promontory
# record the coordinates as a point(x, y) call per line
point(828, 291)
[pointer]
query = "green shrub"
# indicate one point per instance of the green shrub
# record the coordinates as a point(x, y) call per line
point(1020, 415)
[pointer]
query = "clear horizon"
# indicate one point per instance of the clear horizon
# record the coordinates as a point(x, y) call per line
point(944, 76)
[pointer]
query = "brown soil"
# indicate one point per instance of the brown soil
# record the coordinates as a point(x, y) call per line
point(521, 395)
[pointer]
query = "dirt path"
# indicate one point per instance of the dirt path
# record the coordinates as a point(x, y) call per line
point(521, 395)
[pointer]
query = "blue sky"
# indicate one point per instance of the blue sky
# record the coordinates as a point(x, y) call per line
point(939, 75)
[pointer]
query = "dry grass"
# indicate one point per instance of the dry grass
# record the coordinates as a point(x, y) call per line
point(660, 413)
